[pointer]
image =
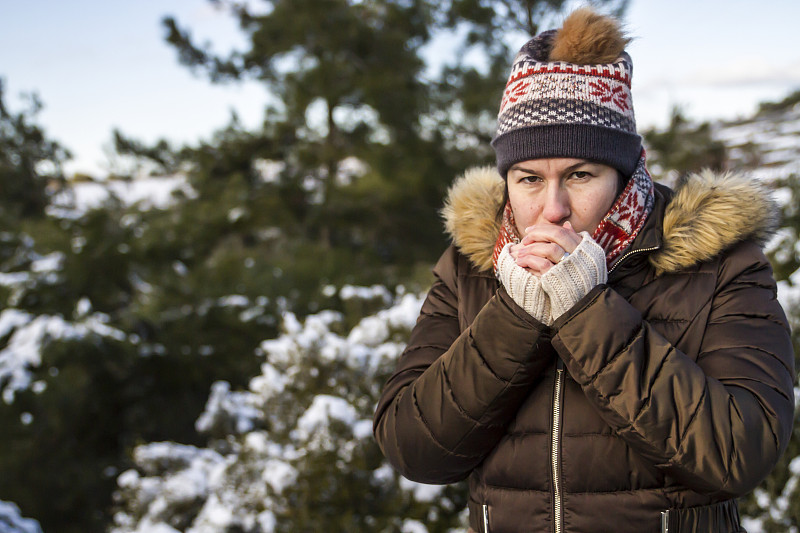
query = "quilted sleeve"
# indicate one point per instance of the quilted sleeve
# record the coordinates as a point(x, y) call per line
point(718, 420)
point(453, 393)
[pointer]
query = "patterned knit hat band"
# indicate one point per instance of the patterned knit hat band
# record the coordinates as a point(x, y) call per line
point(559, 108)
point(613, 147)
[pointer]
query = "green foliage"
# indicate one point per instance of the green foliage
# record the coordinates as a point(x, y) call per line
point(683, 148)
point(29, 162)
point(342, 184)
point(776, 107)
point(785, 257)
point(60, 466)
point(304, 422)
point(350, 83)
point(161, 155)
point(178, 334)
point(782, 485)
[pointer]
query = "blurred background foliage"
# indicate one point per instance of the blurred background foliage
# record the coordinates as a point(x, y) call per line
point(341, 185)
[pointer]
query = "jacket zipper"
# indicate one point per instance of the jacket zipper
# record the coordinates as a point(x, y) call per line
point(555, 446)
point(665, 521)
point(632, 252)
point(485, 518)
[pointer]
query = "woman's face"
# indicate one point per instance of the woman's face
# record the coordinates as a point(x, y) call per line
point(556, 190)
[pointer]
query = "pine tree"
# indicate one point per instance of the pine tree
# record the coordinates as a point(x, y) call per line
point(682, 148)
point(30, 164)
point(136, 311)
point(351, 84)
point(294, 452)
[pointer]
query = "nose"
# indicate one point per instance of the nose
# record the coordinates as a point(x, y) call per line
point(556, 209)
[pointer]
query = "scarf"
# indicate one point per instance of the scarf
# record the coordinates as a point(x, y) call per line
point(619, 226)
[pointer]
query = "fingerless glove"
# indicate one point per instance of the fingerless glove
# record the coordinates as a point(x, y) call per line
point(523, 287)
point(571, 279)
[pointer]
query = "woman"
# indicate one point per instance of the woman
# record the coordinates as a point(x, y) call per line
point(597, 353)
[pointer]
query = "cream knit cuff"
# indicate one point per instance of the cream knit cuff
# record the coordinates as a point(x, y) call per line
point(573, 278)
point(523, 287)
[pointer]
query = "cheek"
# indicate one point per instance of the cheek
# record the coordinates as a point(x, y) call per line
point(600, 203)
point(524, 208)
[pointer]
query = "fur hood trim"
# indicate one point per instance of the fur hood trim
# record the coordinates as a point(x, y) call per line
point(470, 214)
point(708, 213)
point(711, 212)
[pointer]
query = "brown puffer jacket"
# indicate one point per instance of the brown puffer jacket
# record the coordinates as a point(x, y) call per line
point(649, 406)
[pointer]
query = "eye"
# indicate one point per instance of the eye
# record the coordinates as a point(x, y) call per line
point(524, 178)
point(581, 175)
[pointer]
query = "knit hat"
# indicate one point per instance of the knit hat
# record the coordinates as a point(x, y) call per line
point(569, 95)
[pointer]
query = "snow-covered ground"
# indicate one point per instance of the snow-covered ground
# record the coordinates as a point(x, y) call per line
point(769, 145)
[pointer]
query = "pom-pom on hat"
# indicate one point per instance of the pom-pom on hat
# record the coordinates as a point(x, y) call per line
point(569, 95)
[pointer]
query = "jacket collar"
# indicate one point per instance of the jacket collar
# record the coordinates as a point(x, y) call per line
point(707, 213)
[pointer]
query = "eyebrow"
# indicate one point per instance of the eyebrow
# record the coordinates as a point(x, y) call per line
point(570, 168)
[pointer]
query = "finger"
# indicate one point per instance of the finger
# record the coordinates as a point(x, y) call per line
point(514, 249)
point(547, 250)
point(552, 232)
point(534, 264)
point(561, 235)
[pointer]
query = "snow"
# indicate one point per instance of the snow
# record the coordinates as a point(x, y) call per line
point(315, 394)
point(39, 268)
point(267, 521)
point(156, 457)
point(279, 474)
point(236, 213)
point(421, 491)
point(224, 404)
point(48, 263)
point(269, 170)
point(752, 525)
point(270, 383)
point(233, 300)
point(777, 510)
point(791, 490)
point(323, 410)
point(350, 169)
point(12, 522)
point(11, 319)
point(362, 429)
point(774, 140)
point(370, 331)
point(23, 351)
point(83, 307)
point(11, 279)
point(349, 292)
point(413, 526)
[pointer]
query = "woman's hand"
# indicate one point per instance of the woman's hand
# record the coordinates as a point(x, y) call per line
point(543, 246)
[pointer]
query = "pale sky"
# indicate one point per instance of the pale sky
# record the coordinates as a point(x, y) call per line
point(98, 64)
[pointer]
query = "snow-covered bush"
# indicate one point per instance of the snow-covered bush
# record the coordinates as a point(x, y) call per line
point(12, 522)
point(295, 452)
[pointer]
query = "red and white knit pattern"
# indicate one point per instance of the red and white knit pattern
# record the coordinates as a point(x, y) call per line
point(621, 225)
point(508, 234)
point(593, 91)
